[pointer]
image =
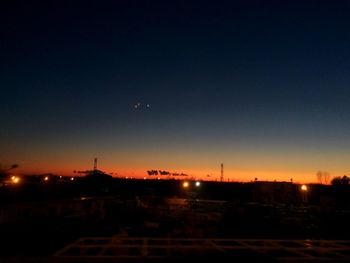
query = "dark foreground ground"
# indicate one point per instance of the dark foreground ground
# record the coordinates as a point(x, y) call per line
point(39, 220)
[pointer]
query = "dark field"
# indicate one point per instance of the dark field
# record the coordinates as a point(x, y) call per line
point(39, 219)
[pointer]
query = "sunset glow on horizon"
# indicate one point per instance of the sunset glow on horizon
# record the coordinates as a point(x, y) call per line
point(230, 175)
point(261, 87)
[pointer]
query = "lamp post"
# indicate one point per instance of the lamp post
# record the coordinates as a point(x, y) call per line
point(304, 192)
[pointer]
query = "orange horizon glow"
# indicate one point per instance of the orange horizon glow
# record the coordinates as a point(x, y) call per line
point(229, 175)
point(241, 166)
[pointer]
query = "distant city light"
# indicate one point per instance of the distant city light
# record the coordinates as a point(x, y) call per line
point(72, 178)
point(198, 184)
point(15, 179)
point(185, 184)
point(304, 187)
point(46, 178)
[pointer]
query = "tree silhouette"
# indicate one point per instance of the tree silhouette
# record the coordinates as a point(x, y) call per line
point(341, 181)
point(5, 171)
point(323, 177)
point(164, 172)
point(152, 172)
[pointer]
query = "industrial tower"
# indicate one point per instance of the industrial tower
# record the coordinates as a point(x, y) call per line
point(95, 164)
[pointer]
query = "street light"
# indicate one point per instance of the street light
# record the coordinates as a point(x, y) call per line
point(304, 189)
point(15, 179)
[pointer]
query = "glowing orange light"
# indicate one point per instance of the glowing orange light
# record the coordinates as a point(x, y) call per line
point(15, 179)
point(72, 178)
point(185, 184)
point(46, 178)
point(304, 187)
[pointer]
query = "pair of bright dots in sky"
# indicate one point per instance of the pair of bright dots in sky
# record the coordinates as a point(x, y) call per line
point(139, 105)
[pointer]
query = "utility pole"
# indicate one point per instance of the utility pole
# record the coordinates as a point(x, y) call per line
point(222, 173)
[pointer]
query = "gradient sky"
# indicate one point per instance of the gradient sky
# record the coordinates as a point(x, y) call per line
point(261, 86)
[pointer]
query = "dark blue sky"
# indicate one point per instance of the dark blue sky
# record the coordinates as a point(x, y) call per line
point(233, 81)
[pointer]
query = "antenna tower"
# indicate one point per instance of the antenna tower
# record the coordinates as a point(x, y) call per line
point(95, 164)
point(222, 172)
